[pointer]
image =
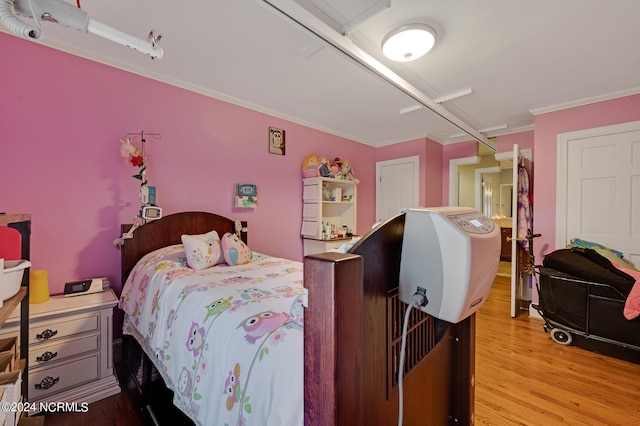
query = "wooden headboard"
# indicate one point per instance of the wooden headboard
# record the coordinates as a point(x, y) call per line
point(168, 230)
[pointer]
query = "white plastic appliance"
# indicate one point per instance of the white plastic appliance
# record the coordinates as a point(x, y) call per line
point(450, 257)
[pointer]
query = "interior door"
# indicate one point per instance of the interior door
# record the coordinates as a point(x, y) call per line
point(517, 287)
point(603, 191)
point(396, 186)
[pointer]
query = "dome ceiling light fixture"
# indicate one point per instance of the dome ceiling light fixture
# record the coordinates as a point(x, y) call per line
point(408, 42)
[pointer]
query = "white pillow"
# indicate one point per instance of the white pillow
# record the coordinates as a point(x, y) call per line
point(202, 251)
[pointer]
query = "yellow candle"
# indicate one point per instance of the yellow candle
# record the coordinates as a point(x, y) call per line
point(38, 286)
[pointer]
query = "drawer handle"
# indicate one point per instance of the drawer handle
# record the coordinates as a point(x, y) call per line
point(47, 356)
point(47, 334)
point(47, 382)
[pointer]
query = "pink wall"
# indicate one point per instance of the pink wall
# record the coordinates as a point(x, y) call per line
point(63, 117)
point(433, 182)
point(62, 120)
point(524, 140)
point(430, 154)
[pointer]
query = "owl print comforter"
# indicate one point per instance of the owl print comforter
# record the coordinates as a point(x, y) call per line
point(228, 340)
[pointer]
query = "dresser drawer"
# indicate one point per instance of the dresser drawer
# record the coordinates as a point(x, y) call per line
point(310, 193)
point(59, 350)
point(310, 211)
point(55, 329)
point(43, 382)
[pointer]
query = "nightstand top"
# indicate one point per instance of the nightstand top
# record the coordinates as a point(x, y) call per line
point(60, 304)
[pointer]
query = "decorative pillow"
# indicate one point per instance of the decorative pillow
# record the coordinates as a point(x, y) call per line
point(203, 251)
point(235, 251)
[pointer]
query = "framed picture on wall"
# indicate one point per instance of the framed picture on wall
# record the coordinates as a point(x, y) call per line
point(276, 141)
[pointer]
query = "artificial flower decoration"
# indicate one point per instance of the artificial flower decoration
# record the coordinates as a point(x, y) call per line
point(133, 156)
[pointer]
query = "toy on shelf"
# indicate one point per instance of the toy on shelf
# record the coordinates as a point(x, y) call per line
point(310, 166)
point(315, 166)
point(335, 167)
point(346, 172)
point(323, 168)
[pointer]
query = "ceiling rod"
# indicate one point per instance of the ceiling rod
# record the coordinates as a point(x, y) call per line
point(305, 19)
point(452, 96)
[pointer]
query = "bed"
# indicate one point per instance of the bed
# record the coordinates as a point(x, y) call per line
point(331, 363)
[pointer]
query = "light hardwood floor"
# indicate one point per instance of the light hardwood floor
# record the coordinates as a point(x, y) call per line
point(524, 378)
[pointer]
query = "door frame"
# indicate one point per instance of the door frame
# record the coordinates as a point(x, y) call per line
point(454, 163)
point(562, 178)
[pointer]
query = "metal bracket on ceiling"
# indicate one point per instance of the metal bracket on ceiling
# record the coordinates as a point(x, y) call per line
point(306, 20)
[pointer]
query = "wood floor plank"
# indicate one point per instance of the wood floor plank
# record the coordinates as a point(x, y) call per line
point(524, 378)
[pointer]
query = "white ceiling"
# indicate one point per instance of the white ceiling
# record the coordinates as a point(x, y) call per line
point(517, 57)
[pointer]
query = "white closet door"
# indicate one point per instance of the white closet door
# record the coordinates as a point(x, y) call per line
point(397, 186)
point(603, 191)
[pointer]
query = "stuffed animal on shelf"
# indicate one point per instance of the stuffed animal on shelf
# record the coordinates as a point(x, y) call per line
point(323, 168)
point(345, 171)
point(335, 167)
point(310, 166)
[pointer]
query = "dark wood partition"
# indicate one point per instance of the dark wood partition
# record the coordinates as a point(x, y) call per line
point(333, 333)
point(352, 343)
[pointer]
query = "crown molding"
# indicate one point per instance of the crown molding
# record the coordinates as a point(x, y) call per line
point(586, 101)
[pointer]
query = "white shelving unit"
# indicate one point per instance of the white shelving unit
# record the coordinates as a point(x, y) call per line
point(327, 201)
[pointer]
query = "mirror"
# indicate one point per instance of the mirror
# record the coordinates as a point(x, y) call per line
point(506, 196)
point(487, 186)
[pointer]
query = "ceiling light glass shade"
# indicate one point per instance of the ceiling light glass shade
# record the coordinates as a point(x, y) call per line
point(409, 42)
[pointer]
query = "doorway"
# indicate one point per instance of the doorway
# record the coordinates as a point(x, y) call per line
point(482, 183)
point(465, 188)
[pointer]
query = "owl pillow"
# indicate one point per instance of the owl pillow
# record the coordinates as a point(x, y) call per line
point(202, 251)
point(234, 250)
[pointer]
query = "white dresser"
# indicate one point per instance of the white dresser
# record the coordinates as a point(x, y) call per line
point(70, 348)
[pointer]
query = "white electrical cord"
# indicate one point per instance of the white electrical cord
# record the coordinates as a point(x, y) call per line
point(401, 366)
point(416, 300)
